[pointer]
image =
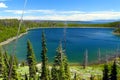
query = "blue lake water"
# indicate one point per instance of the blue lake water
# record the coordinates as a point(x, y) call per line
point(77, 41)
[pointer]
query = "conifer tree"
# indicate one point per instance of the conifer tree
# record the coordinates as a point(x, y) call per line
point(105, 72)
point(6, 59)
point(67, 69)
point(6, 62)
point(62, 72)
point(113, 75)
point(60, 66)
point(14, 75)
point(45, 72)
point(54, 73)
point(2, 65)
point(31, 60)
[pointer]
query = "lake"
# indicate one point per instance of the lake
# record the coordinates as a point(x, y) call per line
point(78, 40)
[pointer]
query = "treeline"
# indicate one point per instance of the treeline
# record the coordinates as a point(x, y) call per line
point(9, 27)
point(59, 70)
point(111, 24)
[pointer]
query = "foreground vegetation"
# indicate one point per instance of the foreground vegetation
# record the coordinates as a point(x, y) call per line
point(10, 69)
point(10, 26)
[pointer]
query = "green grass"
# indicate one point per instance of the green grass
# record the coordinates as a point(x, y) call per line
point(23, 70)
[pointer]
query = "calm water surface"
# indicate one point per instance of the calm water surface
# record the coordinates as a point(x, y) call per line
point(77, 41)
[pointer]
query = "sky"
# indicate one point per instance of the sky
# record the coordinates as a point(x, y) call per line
point(73, 10)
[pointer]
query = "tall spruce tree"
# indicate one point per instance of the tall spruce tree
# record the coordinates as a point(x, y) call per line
point(45, 72)
point(31, 60)
point(113, 75)
point(55, 72)
point(60, 66)
point(105, 72)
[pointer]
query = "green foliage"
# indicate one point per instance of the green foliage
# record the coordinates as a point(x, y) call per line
point(31, 60)
point(91, 77)
point(105, 72)
point(10, 26)
point(62, 72)
point(55, 73)
point(117, 31)
point(2, 64)
point(60, 66)
point(67, 69)
point(45, 72)
point(26, 77)
point(75, 77)
point(113, 75)
point(14, 75)
point(6, 68)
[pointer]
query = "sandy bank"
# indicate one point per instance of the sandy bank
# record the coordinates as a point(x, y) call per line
point(11, 39)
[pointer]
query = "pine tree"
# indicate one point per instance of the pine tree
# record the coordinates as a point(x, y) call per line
point(6, 62)
point(54, 73)
point(60, 66)
point(31, 60)
point(113, 75)
point(1, 64)
point(6, 59)
point(45, 72)
point(67, 69)
point(14, 75)
point(105, 72)
point(62, 72)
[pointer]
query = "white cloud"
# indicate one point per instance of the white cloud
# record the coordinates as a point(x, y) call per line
point(65, 15)
point(30, 11)
point(3, 5)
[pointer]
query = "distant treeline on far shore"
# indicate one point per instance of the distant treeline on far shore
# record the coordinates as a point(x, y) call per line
point(9, 27)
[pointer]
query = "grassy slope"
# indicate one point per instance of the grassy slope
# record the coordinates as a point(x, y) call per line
point(95, 70)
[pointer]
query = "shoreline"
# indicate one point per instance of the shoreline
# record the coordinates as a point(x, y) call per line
point(64, 27)
point(11, 39)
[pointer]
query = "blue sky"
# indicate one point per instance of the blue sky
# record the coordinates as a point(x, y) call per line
point(84, 10)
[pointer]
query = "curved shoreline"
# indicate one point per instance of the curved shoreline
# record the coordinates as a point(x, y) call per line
point(11, 39)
